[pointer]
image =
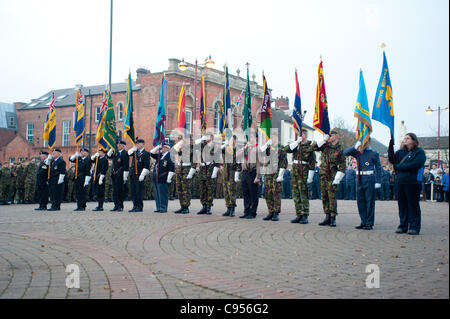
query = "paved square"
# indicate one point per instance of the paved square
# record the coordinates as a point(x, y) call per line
point(151, 255)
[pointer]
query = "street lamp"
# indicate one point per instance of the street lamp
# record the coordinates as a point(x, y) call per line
point(183, 66)
point(429, 110)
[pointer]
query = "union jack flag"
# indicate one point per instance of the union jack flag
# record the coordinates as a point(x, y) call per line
point(238, 101)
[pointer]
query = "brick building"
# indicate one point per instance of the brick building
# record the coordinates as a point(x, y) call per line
point(146, 91)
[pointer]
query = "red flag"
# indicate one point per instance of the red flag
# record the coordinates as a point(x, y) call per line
point(321, 121)
point(182, 111)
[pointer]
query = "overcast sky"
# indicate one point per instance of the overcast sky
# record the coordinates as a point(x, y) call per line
point(54, 44)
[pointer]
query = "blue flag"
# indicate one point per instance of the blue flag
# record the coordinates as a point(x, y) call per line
point(226, 106)
point(78, 127)
point(297, 112)
point(383, 107)
point(160, 129)
point(364, 127)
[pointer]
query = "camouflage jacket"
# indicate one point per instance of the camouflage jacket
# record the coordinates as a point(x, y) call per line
point(303, 153)
point(332, 159)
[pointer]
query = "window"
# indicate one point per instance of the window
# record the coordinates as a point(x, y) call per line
point(217, 108)
point(188, 121)
point(11, 122)
point(30, 132)
point(12, 160)
point(20, 159)
point(120, 111)
point(97, 113)
point(66, 133)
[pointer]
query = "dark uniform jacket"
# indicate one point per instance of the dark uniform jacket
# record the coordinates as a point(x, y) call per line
point(57, 167)
point(42, 174)
point(163, 168)
point(408, 169)
point(120, 163)
point(142, 160)
point(101, 169)
point(369, 160)
point(84, 167)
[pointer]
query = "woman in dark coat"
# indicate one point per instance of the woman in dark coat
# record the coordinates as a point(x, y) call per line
point(407, 162)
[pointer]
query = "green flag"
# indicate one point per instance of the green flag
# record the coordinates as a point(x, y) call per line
point(109, 130)
point(266, 114)
point(247, 111)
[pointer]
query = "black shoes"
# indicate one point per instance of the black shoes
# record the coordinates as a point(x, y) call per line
point(185, 210)
point(79, 209)
point(326, 221)
point(413, 232)
point(202, 211)
point(251, 216)
point(297, 219)
point(120, 209)
point(333, 221)
point(41, 208)
point(132, 210)
point(367, 227)
point(231, 211)
point(53, 209)
point(303, 219)
point(268, 217)
point(227, 213)
point(114, 209)
point(400, 231)
point(208, 210)
point(360, 226)
point(275, 217)
point(178, 211)
point(98, 209)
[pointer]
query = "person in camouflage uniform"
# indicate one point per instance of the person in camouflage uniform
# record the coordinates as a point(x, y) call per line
point(208, 170)
point(30, 183)
point(273, 175)
point(70, 197)
point(5, 181)
point(229, 176)
point(108, 183)
point(20, 182)
point(184, 172)
point(304, 161)
point(332, 170)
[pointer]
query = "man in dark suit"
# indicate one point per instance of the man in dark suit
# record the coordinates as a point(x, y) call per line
point(119, 174)
point(100, 169)
point(163, 171)
point(82, 176)
point(42, 181)
point(57, 174)
point(140, 167)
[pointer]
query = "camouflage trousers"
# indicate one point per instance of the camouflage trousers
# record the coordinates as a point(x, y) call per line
point(229, 189)
point(30, 192)
point(300, 190)
point(273, 193)
point(183, 185)
point(207, 189)
point(329, 193)
point(20, 194)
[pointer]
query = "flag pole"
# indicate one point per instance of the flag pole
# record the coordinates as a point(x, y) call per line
point(110, 44)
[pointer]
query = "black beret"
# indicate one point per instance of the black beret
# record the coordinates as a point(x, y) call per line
point(84, 149)
point(122, 142)
point(140, 141)
point(57, 150)
point(43, 152)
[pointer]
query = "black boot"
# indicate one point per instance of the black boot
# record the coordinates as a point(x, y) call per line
point(179, 211)
point(296, 219)
point(202, 211)
point(304, 219)
point(114, 209)
point(333, 221)
point(268, 217)
point(275, 217)
point(208, 210)
point(185, 210)
point(245, 214)
point(227, 213)
point(231, 211)
point(326, 221)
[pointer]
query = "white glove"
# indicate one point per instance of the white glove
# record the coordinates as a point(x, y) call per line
point(377, 185)
point(357, 145)
point(198, 141)
point(46, 161)
point(204, 138)
point(86, 181)
point(214, 173)
point(294, 144)
point(61, 178)
point(310, 177)
point(100, 180)
point(132, 150)
point(224, 145)
point(264, 147)
point(337, 179)
point(177, 146)
point(94, 156)
point(191, 173)
point(72, 158)
point(77, 154)
point(156, 149)
point(125, 176)
point(143, 174)
point(325, 139)
point(280, 175)
point(110, 152)
point(236, 176)
point(50, 157)
point(169, 177)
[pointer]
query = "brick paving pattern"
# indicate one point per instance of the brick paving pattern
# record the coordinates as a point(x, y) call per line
point(150, 255)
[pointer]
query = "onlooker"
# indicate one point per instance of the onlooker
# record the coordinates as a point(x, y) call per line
point(428, 178)
point(445, 185)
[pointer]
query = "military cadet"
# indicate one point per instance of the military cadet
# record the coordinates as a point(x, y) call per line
point(57, 174)
point(12, 183)
point(273, 175)
point(303, 164)
point(42, 181)
point(332, 170)
point(119, 174)
point(5, 181)
point(350, 175)
point(184, 172)
point(20, 182)
point(100, 168)
point(82, 176)
point(385, 184)
point(108, 183)
point(70, 184)
point(208, 170)
point(229, 176)
point(369, 174)
point(30, 183)
point(140, 167)
point(163, 171)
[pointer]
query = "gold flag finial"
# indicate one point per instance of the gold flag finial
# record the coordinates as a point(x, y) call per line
point(383, 45)
point(321, 58)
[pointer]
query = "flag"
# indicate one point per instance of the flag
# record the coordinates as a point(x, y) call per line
point(128, 125)
point(226, 106)
point(182, 112)
point(160, 129)
point(266, 114)
point(321, 121)
point(297, 112)
point(238, 100)
point(50, 124)
point(247, 111)
point(101, 123)
point(364, 127)
point(202, 107)
point(109, 128)
point(78, 126)
point(383, 107)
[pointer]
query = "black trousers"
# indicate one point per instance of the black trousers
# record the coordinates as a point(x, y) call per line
point(137, 191)
point(99, 190)
point(250, 192)
point(408, 206)
point(80, 192)
point(42, 191)
point(119, 190)
point(56, 193)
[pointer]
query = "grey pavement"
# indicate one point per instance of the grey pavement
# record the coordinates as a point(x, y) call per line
point(153, 255)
